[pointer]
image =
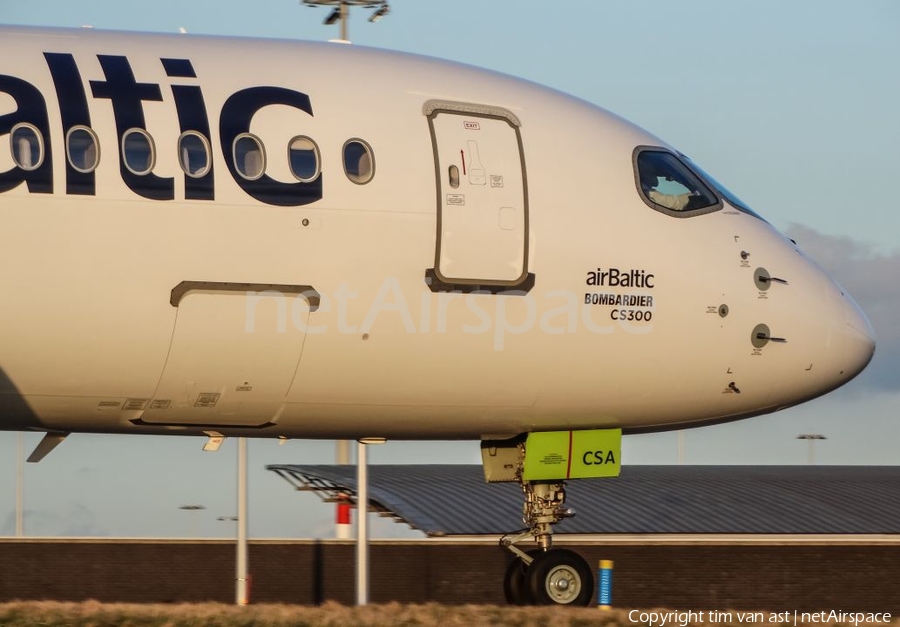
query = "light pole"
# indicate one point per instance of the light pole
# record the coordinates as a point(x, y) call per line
point(362, 525)
point(20, 484)
point(341, 12)
point(811, 439)
point(362, 519)
point(192, 508)
point(242, 592)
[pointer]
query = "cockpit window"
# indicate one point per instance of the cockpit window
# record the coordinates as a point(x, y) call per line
point(733, 200)
point(668, 184)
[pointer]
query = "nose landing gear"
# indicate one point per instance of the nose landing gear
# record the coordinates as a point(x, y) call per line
point(545, 576)
point(541, 463)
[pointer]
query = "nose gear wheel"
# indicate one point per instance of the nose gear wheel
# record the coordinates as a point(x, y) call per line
point(560, 577)
point(545, 576)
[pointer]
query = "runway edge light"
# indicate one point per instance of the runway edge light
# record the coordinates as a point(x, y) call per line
point(604, 585)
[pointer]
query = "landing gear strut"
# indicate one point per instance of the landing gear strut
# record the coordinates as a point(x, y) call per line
point(545, 576)
point(548, 576)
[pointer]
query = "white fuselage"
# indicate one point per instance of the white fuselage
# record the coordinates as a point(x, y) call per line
point(402, 307)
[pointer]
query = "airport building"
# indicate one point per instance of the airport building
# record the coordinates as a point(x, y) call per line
point(690, 537)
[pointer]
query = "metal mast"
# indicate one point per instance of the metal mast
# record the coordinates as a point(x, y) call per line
point(341, 12)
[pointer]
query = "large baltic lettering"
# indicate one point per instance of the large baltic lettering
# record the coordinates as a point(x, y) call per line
point(29, 122)
point(73, 108)
point(237, 113)
point(30, 109)
point(128, 96)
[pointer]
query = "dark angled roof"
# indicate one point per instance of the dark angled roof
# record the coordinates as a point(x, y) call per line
point(455, 500)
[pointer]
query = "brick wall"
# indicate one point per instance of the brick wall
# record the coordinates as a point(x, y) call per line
point(769, 577)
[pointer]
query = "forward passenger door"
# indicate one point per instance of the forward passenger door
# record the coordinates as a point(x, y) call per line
point(482, 200)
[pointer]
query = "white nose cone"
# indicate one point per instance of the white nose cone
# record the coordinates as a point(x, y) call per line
point(854, 339)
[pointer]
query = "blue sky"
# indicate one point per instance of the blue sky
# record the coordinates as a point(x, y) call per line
point(793, 105)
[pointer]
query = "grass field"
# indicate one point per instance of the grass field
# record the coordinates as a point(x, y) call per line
point(93, 614)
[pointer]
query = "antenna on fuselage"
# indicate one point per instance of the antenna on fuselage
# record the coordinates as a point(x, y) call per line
point(341, 12)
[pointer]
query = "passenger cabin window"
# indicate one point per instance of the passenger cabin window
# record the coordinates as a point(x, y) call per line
point(27, 146)
point(82, 149)
point(359, 163)
point(138, 151)
point(303, 155)
point(193, 153)
point(668, 185)
point(249, 156)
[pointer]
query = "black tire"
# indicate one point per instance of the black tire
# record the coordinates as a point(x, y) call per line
point(560, 577)
point(515, 586)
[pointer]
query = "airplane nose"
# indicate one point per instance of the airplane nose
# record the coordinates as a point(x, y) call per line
point(854, 338)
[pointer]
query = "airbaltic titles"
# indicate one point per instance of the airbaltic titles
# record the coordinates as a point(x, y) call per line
point(638, 306)
point(614, 277)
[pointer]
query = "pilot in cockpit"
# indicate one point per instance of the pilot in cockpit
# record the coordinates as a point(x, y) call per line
point(651, 184)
